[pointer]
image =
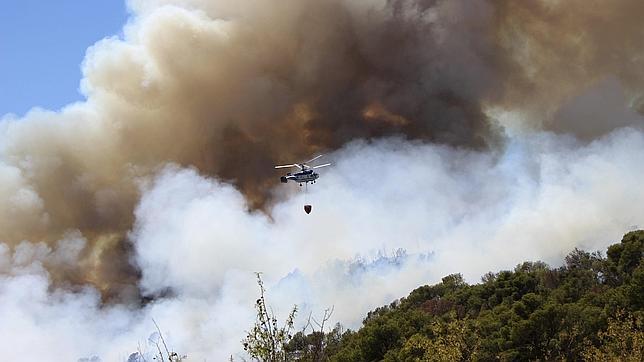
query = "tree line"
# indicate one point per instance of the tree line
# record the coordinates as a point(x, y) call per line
point(590, 308)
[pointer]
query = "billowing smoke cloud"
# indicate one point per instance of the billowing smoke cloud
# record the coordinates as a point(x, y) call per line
point(233, 87)
point(449, 210)
point(160, 184)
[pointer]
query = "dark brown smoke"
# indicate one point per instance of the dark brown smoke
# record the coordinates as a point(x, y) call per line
point(235, 88)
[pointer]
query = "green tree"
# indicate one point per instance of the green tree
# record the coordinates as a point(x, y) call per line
point(266, 341)
point(533, 312)
point(623, 340)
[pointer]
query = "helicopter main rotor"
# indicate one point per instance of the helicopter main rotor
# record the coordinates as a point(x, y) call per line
point(304, 176)
point(304, 165)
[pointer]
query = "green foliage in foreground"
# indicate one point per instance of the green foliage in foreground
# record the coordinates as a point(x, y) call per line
point(266, 341)
point(591, 308)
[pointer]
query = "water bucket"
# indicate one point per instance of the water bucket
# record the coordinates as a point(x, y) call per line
point(307, 209)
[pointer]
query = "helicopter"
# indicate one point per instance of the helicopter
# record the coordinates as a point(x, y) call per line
point(306, 173)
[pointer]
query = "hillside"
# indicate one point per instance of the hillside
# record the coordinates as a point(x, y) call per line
point(590, 308)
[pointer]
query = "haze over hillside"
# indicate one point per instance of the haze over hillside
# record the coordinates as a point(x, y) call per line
point(465, 137)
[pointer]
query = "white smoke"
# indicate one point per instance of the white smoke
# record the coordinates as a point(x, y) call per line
point(229, 86)
point(450, 210)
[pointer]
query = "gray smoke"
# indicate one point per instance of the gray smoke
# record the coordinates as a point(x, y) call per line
point(468, 134)
point(233, 87)
point(450, 210)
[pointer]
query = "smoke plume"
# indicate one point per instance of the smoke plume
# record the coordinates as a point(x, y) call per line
point(438, 210)
point(452, 125)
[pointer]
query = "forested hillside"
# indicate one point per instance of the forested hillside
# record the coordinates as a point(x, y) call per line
point(590, 308)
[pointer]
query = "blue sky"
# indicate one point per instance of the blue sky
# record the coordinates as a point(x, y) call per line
point(42, 45)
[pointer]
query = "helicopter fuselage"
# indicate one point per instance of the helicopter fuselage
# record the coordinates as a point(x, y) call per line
point(303, 176)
